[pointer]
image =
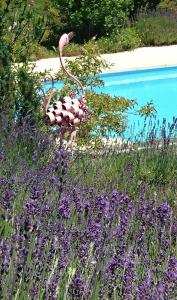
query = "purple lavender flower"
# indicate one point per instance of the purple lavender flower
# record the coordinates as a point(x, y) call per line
point(128, 278)
point(82, 250)
point(34, 291)
point(112, 265)
point(64, 208)
point(77, 288)
point(174, 233)
point(161, 289)
point(7, 199)
point(164, 212)
point(94, 230)
point(51, 291)
point(78, 201)
point(145, 289)
point(172, 270)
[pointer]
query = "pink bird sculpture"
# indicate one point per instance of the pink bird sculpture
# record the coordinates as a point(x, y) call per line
point(69, 112)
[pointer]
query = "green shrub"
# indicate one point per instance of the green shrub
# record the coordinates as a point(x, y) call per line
point(157, 30)
point(39, 52)
point(107, 45)
point(72, 50)
point(129, 39)
point(168, 4)
point(90, 18)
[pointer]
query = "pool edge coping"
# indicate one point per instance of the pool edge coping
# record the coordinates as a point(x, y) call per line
point(138, 69)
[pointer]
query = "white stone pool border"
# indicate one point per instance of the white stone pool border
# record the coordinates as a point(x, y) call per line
point(140, 58)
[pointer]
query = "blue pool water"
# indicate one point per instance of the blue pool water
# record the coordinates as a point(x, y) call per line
point(158, 85)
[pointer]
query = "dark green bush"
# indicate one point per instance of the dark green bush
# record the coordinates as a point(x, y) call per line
point(157, 30)
point(90, 18)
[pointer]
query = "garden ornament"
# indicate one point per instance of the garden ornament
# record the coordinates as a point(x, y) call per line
point(69, 111)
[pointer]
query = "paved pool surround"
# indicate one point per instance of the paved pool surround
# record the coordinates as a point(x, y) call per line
point(140, 58)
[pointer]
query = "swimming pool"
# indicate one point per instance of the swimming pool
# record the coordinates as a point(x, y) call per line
point(157, 84)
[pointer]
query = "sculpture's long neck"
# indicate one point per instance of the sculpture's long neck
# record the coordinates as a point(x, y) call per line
point(69, 74)
point(47, 100)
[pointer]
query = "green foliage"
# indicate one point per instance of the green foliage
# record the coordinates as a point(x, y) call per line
point(72, 49)
point(89, 18)
point(152, 167)
point(168, 4)
point(108, 20)
point(107, 116)
point(128, 39)
point(157, 30)
point(115, 15)
point(93, 18)
point(51, 15)
point(108, 44)
point(27, 98)
point(32, 23)
point(22, 28)
point(39, 52)
point(21, 97)
point(147, 110)
point(19, 27)
point(6, 79)
point(86, 67)
point(142, 6)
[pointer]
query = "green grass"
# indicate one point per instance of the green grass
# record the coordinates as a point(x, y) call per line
point(150, 170)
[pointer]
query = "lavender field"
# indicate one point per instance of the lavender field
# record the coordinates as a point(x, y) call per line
point(84, 226)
